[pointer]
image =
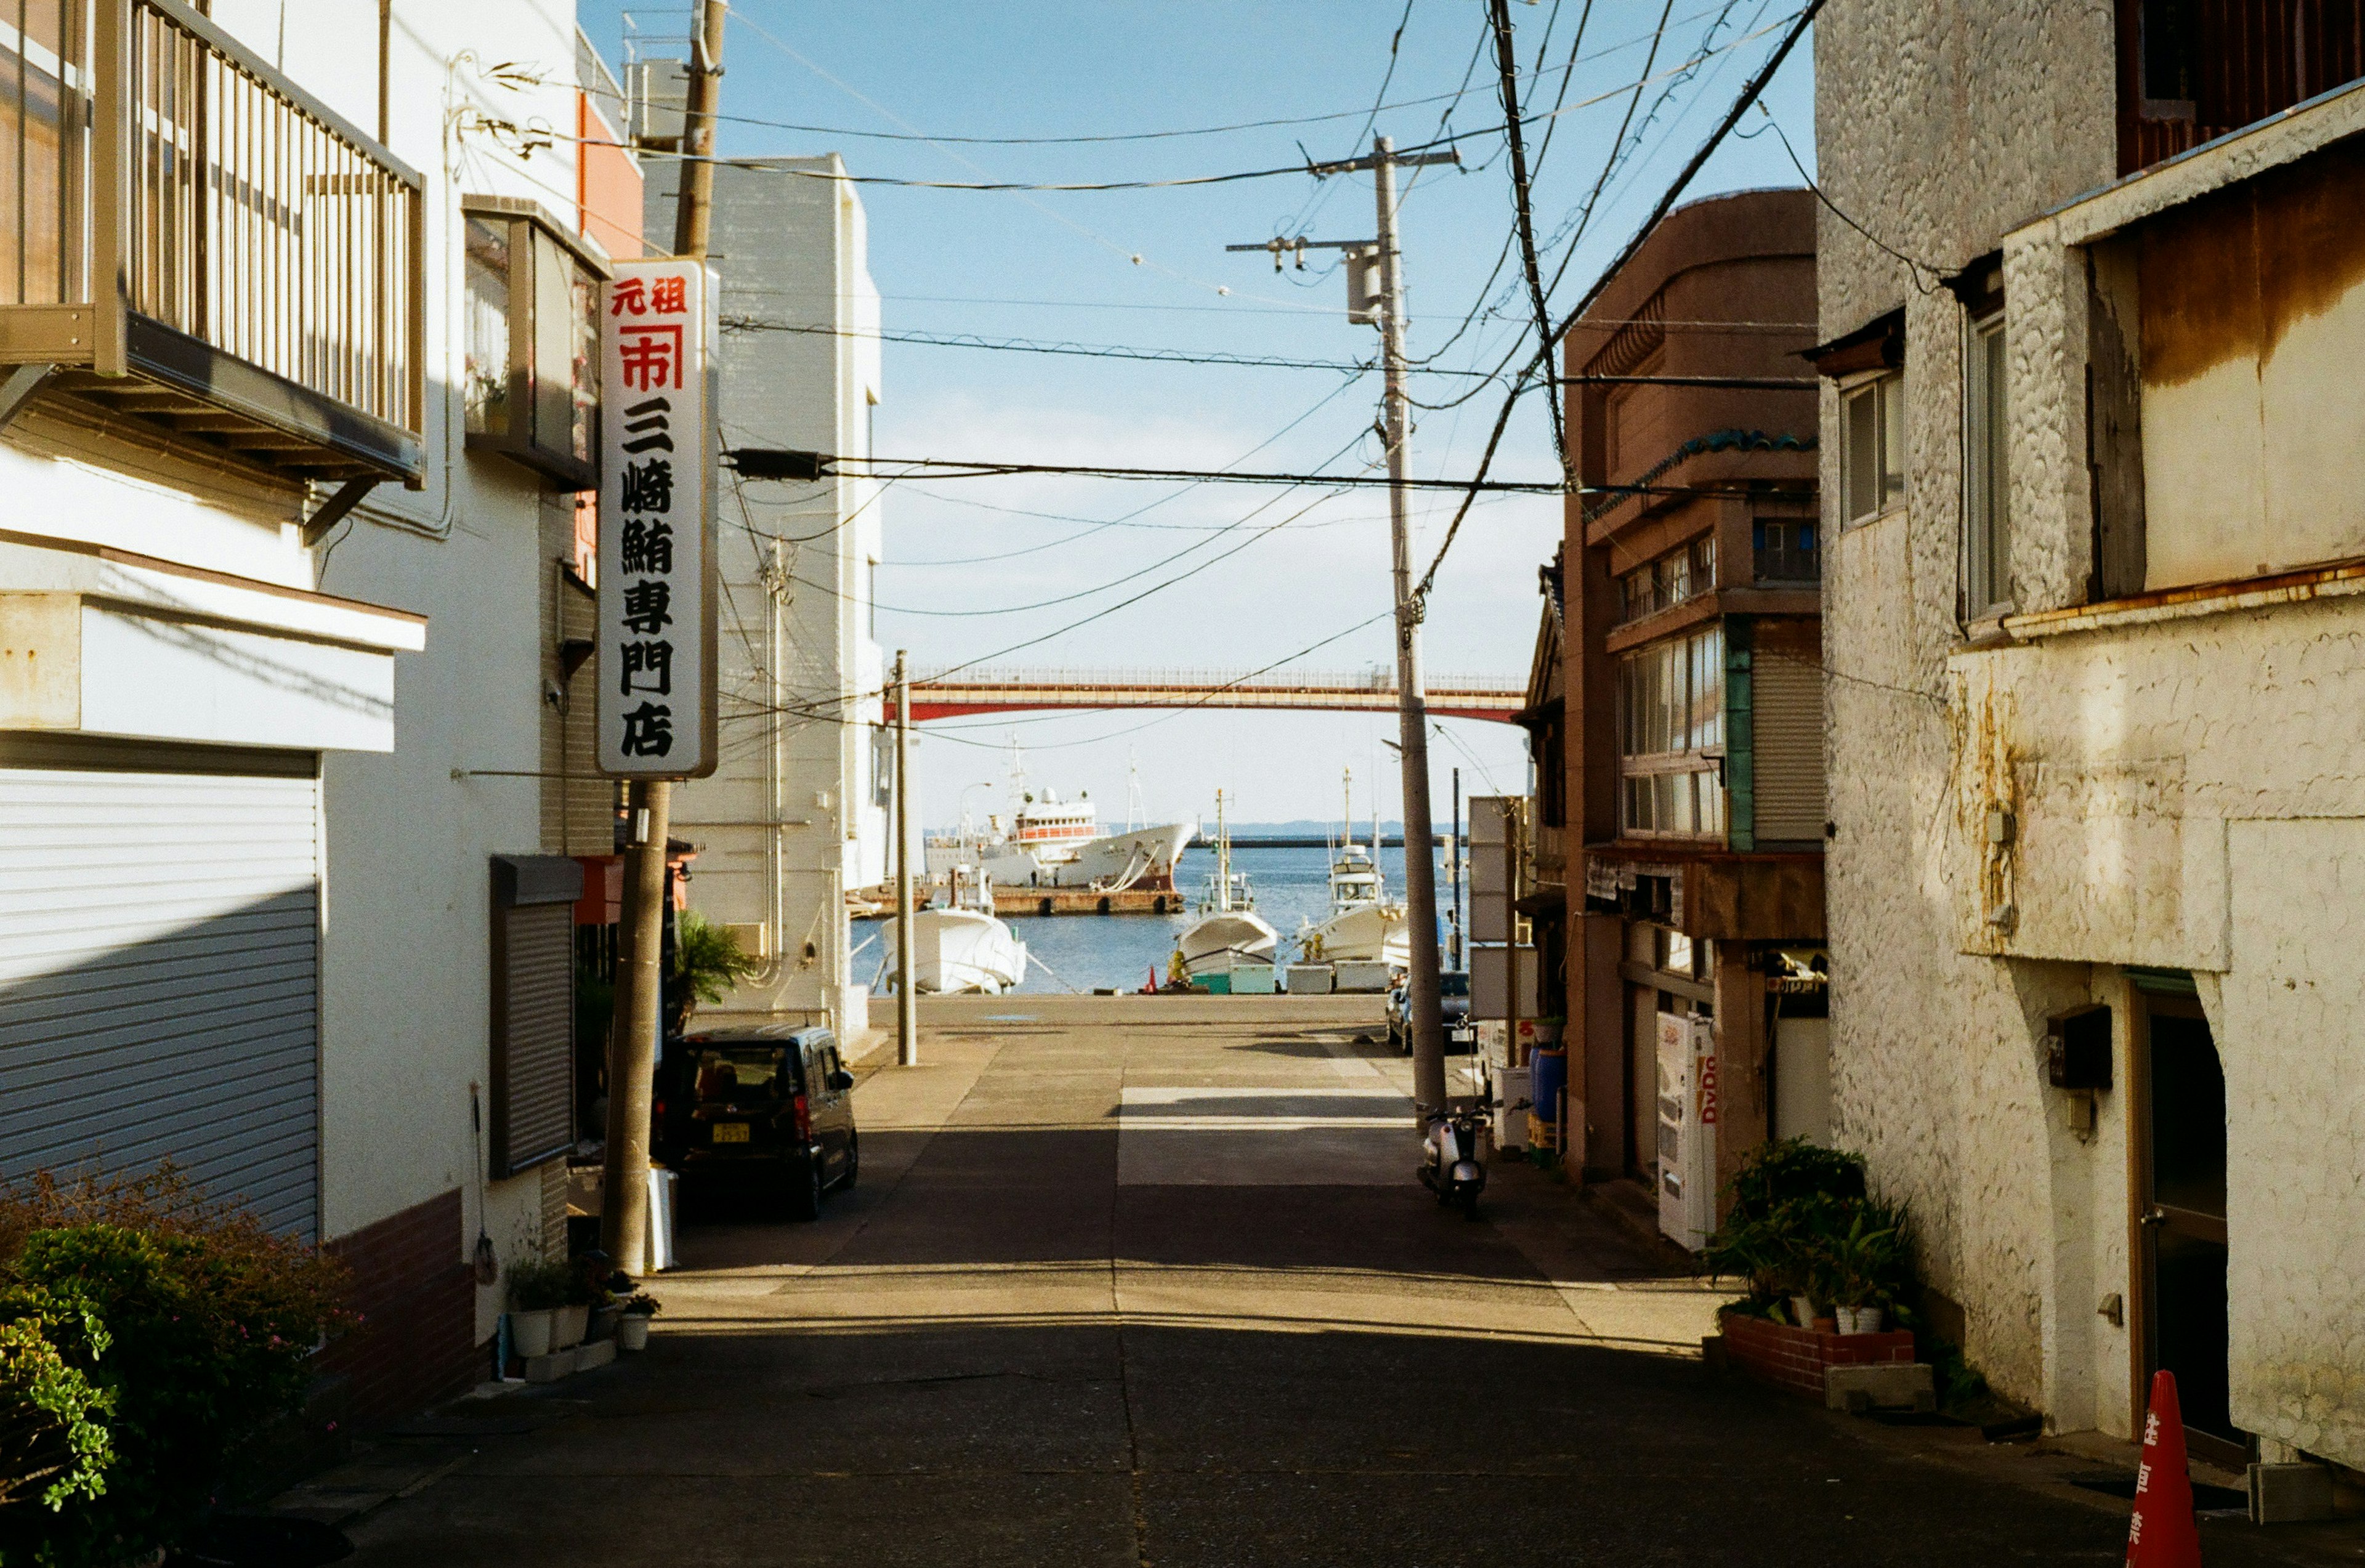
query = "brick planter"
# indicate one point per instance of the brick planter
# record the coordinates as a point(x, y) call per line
point(1795, 1359)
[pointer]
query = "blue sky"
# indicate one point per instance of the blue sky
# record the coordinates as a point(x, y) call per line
point(1061, 267)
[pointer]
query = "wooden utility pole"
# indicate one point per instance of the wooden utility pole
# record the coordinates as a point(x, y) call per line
point(640, 979)
point(907, 1002)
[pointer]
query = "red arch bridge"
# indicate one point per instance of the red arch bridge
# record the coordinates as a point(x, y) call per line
point(985, 690)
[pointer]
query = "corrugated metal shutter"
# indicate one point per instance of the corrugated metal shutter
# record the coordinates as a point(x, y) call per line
point(1788, 740)
point(159, 964)
point(533, 1010)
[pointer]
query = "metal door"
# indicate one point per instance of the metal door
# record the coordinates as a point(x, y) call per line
point(2181, 1220)
point(159, 962)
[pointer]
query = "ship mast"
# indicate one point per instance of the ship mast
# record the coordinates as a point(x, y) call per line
point(1223, 859)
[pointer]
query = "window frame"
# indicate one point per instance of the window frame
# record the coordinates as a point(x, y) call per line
point(1692, 763)
point(551, 386)
point(1985, 535)
point(1882, 395)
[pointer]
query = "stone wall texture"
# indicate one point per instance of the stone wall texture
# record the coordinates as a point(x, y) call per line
point(2186, 791)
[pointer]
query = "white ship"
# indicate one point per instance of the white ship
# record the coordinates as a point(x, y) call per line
point(1228, 931)
point(962, 947)
point(1364, 923)
point(1050, 843)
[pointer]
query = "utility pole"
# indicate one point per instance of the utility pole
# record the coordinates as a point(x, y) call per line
point(648, 814)
point(907, 1004)
point(1381, 301)
point(1453, 871)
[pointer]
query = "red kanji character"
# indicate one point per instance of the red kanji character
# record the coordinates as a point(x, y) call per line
point(628, 294)
point(650, 357)
point(668, 297)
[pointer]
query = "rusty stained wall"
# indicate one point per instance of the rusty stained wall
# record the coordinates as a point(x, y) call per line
point(2190, 794)
point(2253, 325)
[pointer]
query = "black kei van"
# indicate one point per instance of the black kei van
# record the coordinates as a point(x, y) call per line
point(769, 1108)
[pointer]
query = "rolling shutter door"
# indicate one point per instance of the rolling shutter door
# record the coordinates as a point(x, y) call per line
point(533, 1010)
point(159, 963)
point(1788, 738)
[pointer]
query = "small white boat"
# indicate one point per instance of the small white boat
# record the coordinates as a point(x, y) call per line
point(1364, 924)
point(1229, 932)
point(962, 947)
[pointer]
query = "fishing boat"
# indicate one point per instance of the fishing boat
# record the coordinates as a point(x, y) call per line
point(1048, 842)
point(1365, 924)
point(1229, 932)
point(961, 946)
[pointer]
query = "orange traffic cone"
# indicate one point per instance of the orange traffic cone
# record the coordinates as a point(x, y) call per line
point(2163, 1534)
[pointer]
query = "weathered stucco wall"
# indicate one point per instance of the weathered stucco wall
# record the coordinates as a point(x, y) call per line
point(2019, 818)
point(1938, 129)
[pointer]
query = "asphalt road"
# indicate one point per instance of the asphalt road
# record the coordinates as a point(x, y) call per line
point(1139, 1282)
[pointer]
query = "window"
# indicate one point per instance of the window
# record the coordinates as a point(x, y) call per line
point(1671, 737)
point(1786, 551)
point(1668, 582)
point(1987, 513)
point(531, 389)
point(1872, 417)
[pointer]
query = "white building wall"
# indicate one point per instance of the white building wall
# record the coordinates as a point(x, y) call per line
point(408, 952)
point(787, 824)
point(2186, 790)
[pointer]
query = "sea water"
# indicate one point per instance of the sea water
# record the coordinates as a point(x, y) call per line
point(1085, 952)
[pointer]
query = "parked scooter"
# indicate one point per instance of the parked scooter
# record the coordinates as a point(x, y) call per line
point(1449, 1165)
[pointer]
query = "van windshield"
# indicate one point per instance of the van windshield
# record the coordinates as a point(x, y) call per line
point(726, 1074)
point(1453, 982)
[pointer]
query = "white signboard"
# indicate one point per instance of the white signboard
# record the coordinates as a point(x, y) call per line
point(656, 521)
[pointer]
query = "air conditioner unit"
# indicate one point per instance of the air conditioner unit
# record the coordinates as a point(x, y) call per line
point(1687, 1119)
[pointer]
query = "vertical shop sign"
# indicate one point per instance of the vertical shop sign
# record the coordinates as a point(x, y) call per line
point(656, 521)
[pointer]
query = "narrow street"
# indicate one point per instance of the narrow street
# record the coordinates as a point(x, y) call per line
point(1150, 1282)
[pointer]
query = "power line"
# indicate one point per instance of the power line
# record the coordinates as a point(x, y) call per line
point(771, 463)
point(1749, 94)
point(1085, 351)
point(1508, 66)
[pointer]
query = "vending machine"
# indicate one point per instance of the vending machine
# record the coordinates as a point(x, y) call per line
point(1687, 1117)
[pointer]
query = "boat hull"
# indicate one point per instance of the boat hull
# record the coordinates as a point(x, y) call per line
point(1367, 932)
point(958, 951)
point(1214, 943)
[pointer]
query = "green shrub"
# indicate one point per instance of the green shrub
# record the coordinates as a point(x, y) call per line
point(1801, 1224)
point(537, 1285)
point(194, 1327)
point(708, 960)
point(54, 1445)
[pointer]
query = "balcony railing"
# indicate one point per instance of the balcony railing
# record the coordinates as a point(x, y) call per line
point(194, 240)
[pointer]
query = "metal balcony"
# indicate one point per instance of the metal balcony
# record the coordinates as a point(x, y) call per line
point(189, 239)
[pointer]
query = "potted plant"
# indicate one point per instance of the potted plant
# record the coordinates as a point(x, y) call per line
point(537, 1290)
point(1869, 1263)
point(633, 1326)
point(572, 1319)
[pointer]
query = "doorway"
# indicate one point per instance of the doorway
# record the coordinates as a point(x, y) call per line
point(2179, 1216)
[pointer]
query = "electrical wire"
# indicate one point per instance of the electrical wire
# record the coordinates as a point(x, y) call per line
point(1508, 65)
point(1802, 19)
point(1086, 351)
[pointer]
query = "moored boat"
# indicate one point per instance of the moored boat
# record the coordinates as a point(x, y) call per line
point(1229, 932)
point(963, 947)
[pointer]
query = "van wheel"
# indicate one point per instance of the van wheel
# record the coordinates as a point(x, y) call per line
point(805, 1189)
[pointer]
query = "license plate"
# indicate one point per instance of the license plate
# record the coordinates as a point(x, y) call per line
point(730, 1132)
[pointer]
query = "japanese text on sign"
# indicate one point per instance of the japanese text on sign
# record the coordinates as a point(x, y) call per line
point(657, 602)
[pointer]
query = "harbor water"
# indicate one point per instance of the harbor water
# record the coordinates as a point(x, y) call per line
point(1086, 952)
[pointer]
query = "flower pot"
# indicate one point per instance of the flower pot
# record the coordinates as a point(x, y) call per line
point(530, 1333)
point(1859, 1319)
point(1802, 1311)
point(567, 1327)
point(633, 1332)
point(603, 1323)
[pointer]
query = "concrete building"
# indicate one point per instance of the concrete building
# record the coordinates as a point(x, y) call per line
point(2091, 327)
point(282, 890)
point(794, 818)
point(1680, 807)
